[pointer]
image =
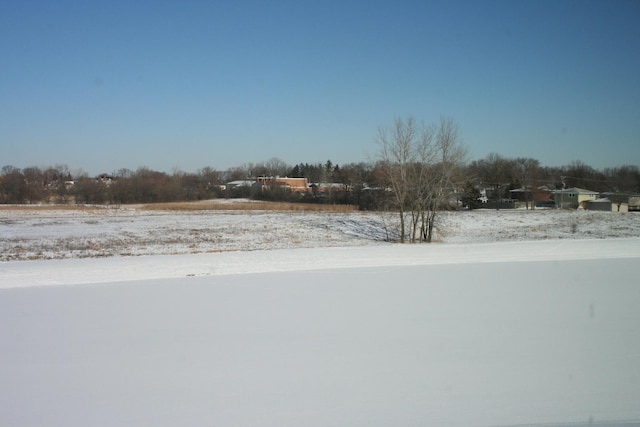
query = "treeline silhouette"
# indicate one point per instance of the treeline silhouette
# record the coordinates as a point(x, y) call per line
point(362, 184)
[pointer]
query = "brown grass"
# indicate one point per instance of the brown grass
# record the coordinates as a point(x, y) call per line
point(212, 205)
point(50, 208)
point(248, 206)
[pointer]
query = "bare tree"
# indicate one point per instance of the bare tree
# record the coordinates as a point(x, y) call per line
point(236, 173)
point(495, 173)
point(421, 167)
point(13, 186)
point(35, 183)
point(450, 155)
point(211, 181)
point(526, 172)
point(90, 190)
point(623, 179)
point(272, 167)
point(124, 173)
point(397, 154)
point(622, 182)
point(443, 162)
point(579, 174)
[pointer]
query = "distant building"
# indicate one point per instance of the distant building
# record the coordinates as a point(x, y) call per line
point(573, 198)
point(105, 179)
point(537, 197)
point(295, 185)
point(602, 204)
point(239, 183)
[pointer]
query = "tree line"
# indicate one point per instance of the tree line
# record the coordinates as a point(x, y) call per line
point(501, 174)
point(57, 184)
point(417, 170)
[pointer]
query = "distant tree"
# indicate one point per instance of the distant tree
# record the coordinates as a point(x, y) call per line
point(211, 182)
point(327, 172)
point(470, 197)
point(89, 191)
point(495, 174)
point(622, 182)
point(313, 172)
point(271, 167)
point(13, 186)
point(146, 186)
point(550, 176)
point(623, 179)
point(276, 167)
point(51, 176)
point(120, 191)
point(124, 173)
point(526, 172)
point(580, 175)
point(355, 177)
point(295, 172)
point(167, 188)
point(9, 169)
point(236, 174)
point(63, 186)
point(35, 184)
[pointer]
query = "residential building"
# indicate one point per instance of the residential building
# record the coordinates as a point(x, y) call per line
point(573, 198)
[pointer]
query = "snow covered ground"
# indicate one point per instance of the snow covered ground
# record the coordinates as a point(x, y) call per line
point(29, 234)
point(266, 319)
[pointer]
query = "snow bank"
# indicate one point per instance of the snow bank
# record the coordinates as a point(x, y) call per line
point(118, 269)
point(411, 341)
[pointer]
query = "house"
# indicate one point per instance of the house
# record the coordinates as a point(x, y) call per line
point(573, 198)
point(537, 197)
point(634, 204)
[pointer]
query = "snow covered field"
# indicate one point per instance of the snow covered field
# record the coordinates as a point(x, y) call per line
point(267, 319)
point(99, 232)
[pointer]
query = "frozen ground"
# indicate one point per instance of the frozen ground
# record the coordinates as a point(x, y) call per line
point(516, 319)
point(29, 234)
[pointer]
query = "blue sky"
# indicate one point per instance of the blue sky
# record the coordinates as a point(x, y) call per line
point(182, 85)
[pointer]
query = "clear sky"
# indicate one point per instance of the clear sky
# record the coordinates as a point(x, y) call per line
point(171, 85)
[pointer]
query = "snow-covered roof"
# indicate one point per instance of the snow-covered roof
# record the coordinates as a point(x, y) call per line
point(241, 183)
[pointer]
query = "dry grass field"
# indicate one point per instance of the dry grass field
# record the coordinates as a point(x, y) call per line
point(207, 205)
point(51, 207)
point(229, 205)
point(31, 232)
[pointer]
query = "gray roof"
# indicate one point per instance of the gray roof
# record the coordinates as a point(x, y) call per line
point(576, 190)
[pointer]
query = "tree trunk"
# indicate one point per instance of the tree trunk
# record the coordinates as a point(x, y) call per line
point(432, 218)
point(402, 226)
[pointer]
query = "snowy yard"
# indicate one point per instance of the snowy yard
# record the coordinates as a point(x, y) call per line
point(275, 319)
